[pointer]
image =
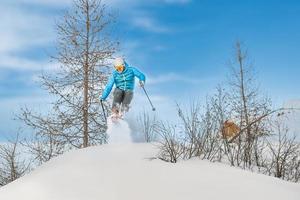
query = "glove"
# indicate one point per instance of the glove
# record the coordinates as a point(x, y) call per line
point(142, 83)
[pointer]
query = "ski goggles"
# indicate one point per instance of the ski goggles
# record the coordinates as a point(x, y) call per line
point(119, 68)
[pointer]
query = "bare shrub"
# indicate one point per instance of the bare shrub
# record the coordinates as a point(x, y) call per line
point(201, 132)
point(285, 154)
point(170, 145)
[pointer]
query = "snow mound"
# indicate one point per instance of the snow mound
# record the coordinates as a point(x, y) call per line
point(129, 172)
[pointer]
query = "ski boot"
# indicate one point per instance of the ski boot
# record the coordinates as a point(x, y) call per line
point(116, 114)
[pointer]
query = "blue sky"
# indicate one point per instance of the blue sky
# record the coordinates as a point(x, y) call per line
point(182, 46)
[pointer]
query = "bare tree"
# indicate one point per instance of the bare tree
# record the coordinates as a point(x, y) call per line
point(247, 104)
point(84, 47)
point(12, 165)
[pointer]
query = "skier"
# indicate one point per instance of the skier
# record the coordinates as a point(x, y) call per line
point(124, 78)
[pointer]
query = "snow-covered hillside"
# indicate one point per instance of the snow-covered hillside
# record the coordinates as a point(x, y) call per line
point(129, 172)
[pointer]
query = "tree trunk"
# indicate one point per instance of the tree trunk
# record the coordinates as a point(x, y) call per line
point(245, 109)
point(86, 81)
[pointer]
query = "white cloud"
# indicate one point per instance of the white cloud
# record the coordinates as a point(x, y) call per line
point(47, 2)
point(149, 24)
point(131, 3)
point(21, 30)
point(112, 3)
point(138, 17)
point(30, 99)
point(173, 77)
point(15, 62)
point(18, 63)
point(122, 3)
point(25, 30)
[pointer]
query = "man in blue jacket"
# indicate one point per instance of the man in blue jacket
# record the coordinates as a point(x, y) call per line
point(123, 77)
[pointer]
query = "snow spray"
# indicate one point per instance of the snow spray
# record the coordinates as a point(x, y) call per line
point(118, 132)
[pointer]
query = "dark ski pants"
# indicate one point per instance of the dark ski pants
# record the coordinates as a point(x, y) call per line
point(122, 98)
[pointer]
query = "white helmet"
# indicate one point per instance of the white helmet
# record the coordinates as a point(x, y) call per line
point(119, 62)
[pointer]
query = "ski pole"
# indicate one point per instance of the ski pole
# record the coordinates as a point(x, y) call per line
point(153, 109)
point(103, 110)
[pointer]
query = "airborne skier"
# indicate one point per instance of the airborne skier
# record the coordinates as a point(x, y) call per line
point(123, 77)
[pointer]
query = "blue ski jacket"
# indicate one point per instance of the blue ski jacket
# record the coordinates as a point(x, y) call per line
point(123, 81)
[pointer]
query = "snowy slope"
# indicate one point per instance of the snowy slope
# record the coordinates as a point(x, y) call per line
point(127, 172)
